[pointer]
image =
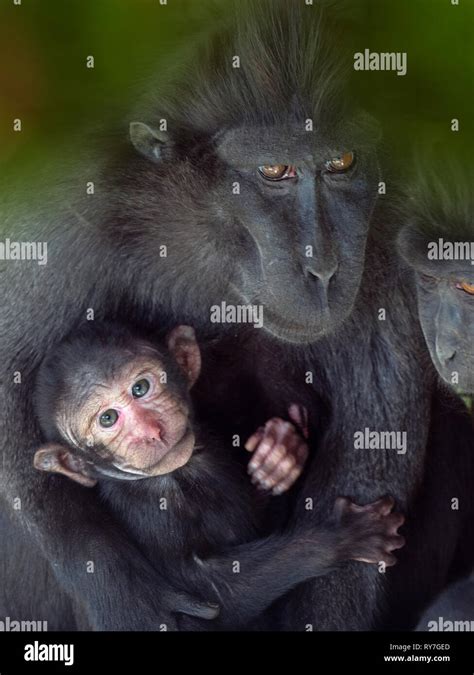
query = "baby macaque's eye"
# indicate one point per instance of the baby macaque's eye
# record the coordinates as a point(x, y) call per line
point(108, 418)
point(140, 388)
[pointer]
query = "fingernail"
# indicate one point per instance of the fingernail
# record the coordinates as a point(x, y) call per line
point(277, 491)
point(252, 466)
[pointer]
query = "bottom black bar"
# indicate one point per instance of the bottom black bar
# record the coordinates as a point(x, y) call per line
point(319, 652)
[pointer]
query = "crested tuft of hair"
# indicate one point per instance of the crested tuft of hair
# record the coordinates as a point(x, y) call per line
point(439, 197)
point(294, 59)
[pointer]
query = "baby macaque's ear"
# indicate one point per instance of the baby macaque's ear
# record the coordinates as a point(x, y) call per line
point(183, 346)
point(56, 458)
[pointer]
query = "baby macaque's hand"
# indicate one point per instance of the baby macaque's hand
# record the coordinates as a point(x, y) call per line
point(280, 451)
point(369, 533)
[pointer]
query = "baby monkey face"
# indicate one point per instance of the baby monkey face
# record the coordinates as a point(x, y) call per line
point(140, 422)
point(116, 409)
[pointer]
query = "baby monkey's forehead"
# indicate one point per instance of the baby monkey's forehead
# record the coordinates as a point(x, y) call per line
point(120, 376)
point(133, 366)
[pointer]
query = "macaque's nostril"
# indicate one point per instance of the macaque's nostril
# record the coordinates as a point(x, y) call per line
point(449, 357)
point(324, 275)
point(445, 353)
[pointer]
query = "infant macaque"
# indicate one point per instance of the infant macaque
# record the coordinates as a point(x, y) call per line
point(115, 411)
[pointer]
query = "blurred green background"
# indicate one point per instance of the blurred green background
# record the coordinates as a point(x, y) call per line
point(45, 82)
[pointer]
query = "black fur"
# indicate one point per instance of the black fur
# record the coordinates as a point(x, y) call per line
point(104, 254)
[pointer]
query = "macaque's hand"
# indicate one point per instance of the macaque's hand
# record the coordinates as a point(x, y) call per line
point(369, 533)
point(280, 451)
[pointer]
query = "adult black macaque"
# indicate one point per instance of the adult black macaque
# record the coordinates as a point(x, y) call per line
point(115, 410)
point(437, 243)
point(240, 201)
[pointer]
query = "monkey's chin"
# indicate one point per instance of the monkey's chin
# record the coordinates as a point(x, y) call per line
point(176, 457)
point(284, 331)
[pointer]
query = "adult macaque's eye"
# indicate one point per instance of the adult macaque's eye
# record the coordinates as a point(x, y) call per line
point(108, 418)
point(466, 287)
point(140, 388)
point(340, 164)
point(277, 171)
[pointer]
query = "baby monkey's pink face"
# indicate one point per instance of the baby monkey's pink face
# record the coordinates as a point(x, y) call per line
point(142, 425)
point(133, 419)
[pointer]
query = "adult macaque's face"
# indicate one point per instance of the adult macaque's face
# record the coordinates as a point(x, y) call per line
point(445, 290)
point(446, 309)
point(142, 424)
point(301, 223)
point(281, 218)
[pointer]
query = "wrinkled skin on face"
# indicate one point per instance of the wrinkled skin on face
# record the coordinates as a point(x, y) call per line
point(279, 213)
point(123, 410)
point(147, 427)
point(445, 293)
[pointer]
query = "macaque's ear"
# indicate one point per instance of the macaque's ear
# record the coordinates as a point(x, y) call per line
point(183, 346)
point(149, 142)
point(56, 458)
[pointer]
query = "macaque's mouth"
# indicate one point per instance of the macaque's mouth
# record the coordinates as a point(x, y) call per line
point(176, 456)
point(287, 331)
point(159, 458)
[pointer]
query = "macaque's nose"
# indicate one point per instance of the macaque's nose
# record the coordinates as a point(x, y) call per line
point(148, 426)
point(153, 432)
point(324, 273)
point(445, 351)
